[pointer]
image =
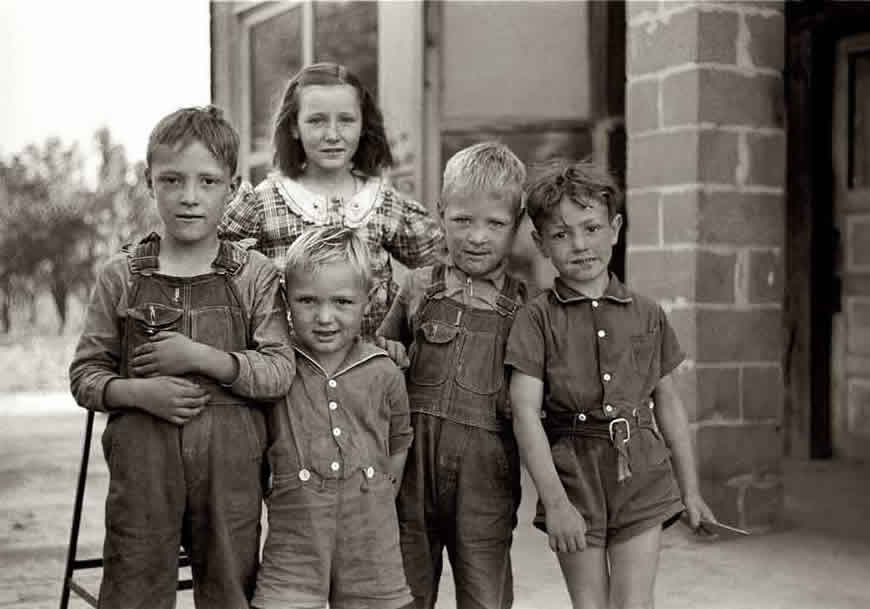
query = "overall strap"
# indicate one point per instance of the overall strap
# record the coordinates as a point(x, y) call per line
point(508, 301)
point(230, 259)
point(143, 257)
point(438, 283)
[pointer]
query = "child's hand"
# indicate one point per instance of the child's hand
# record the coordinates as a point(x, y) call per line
point(566, 528)
point(170, 398)
point(395, 349)
point(697, 510)
point(166, 353)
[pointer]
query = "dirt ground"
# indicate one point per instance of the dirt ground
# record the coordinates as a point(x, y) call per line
point(820, 560)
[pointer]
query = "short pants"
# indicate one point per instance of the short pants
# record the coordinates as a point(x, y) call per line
point(333, 541)
point(616, 511)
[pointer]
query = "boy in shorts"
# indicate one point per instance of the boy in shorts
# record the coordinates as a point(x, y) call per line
point(184, 335)
point(461, 488)
point(338, 443)
point(599, 358)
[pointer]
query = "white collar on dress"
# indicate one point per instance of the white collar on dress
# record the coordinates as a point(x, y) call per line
point(317, 209)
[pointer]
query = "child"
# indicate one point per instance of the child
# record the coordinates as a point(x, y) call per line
point(594, 353)
point(339, 442)
point(330, 148)
point(183, 333)
point(461, 487)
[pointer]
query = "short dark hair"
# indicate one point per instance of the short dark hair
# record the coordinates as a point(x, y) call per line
point(373, 152)
point(579, 181)
point(206, 125)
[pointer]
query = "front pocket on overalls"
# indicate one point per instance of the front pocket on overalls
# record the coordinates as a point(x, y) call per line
point(144, 321)
point(214, 326)
point(430, 353)
point(481, 364)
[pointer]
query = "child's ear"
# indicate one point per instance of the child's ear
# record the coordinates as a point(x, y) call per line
point(616, 225)
point(536, 237)
point(149, 181)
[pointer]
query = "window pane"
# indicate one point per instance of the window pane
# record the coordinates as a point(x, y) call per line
point(859, 138)
point(276, 54)
point(347, 33)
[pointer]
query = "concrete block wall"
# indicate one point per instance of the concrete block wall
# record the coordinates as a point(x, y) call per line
point(706, 199)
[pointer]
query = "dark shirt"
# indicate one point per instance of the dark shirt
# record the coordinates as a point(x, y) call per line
point(602, 357)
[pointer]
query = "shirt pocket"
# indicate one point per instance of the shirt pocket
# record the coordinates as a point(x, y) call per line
point(218, 326)
point(481, 364)
point(431, 353)
point(643, 351)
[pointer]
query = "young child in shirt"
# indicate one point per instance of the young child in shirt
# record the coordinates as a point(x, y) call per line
point(338, 444)
point(599, 357)
point(461, 488)
point(330, 150)
point(184, 335)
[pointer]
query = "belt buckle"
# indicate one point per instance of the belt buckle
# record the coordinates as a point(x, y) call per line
point(610, 428)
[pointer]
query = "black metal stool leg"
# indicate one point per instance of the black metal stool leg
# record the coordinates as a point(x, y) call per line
point(77, 512)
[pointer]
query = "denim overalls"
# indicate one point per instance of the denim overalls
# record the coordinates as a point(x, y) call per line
point(199, 484)
point(461, 488)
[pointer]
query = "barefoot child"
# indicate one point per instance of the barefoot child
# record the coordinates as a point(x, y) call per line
point(339, 443)
point(184, 334)
point(461, 486)
point(330, 149)
point(598, 356)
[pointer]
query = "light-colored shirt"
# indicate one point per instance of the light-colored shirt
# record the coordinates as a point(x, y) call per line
point(280, 209)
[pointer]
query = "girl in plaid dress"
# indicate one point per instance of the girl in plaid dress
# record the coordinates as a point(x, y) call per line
point(330, 149)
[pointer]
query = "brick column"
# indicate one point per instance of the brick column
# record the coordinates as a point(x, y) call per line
point(706, 159)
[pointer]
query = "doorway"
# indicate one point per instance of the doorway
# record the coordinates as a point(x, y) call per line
point(850, 340)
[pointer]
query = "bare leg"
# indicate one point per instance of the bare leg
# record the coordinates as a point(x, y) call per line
point(586, 576)
point(633, 567)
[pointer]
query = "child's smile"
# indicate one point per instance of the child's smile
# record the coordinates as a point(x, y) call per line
point(579, 241)
point(327, 307)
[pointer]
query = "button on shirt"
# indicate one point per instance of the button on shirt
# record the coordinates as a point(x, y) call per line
point(337, 425)
point(601, 356)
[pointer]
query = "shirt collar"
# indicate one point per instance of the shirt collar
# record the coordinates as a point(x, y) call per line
point(317, 209)
point(494, 277)
point(615, 291)
point(359, 352)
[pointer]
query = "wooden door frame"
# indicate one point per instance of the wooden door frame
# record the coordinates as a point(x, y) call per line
point(812, 291)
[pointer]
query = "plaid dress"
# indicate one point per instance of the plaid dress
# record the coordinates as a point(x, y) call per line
point(279, 209)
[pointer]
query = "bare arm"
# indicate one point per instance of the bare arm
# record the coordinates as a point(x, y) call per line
point(674, 425)
point(565, 526)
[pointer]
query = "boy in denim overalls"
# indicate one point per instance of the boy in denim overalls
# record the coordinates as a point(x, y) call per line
point(183, 334)
point(461, 488)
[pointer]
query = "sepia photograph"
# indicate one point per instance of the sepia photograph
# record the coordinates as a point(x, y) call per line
point(435, 304)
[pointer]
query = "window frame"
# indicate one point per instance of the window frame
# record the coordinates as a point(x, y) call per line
point(249, 16)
